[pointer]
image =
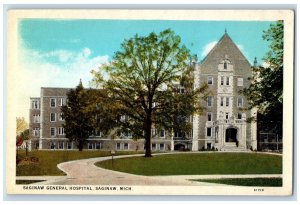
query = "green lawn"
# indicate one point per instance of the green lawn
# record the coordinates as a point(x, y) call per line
point(202, 163)
point(48, 160)
point(265, 182)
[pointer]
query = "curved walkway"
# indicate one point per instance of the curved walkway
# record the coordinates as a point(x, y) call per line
point(85, 172)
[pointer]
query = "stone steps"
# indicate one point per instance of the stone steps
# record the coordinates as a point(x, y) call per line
point(234, 149)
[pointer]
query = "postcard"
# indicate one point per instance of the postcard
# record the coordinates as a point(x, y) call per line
point(150, 102)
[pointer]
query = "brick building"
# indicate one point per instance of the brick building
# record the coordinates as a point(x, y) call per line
point(222, 125)
point(46, 128)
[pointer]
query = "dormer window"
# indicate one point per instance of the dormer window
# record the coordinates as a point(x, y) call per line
point(225, 65)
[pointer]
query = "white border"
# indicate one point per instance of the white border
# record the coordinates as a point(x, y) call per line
point(286, 15)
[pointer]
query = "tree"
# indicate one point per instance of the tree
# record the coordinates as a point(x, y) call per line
point(265, 91)
point(77, 120)
point(25, 135)
point(22, 125)
point(103, 109)
point(141, 84)
point(22, 132)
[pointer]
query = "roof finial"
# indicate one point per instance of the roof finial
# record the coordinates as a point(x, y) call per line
point(255, 62)
point(226, 30)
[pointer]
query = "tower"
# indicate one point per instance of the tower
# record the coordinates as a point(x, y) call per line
point(223, 123)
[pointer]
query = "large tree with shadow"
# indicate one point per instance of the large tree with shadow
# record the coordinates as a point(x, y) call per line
point(141, 80)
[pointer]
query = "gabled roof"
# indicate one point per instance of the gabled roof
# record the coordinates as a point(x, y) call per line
point(225, 46)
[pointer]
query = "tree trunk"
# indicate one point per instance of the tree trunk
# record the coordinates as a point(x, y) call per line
point(148, 126)
point(26, 148)
point(80, 145)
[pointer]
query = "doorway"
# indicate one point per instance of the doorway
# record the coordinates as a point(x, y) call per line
point(231, 135)
point(179, 147)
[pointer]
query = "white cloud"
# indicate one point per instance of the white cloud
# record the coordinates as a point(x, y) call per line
point(207, 48)
point(59, 68)
point(61, 55)
point(86, 52)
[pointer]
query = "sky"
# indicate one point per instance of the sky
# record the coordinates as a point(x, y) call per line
point(58, 53)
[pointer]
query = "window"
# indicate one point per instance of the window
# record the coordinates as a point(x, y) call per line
point(153, 146)
point(61, 131)
point(127, 134)
point(61, 101)
point(209, 101)
point(98, 133)
point(181, 119)
point(52, 146)
point(210, 80)
point(227, 80)
point(222, 80)
point(208, 132)
point(239, 116)
point(227, 101)
point(153, 132)
point(98, 145)
point(240, 102)
point(69, 145)
point(36, 118)
point(52, 102)
point(126, 146)
point(162, 133)
point(36, 132)
point(52, 117)
point(61, 145)
point(221, 103)
point(118, 146)
point(180, 134)
point(61, 117)
point(209, 116)
point(226, 115)
point(208, 145)
point(180, 89)
point(90, 145)
point(52, 131)
point(35, 104)
point(161, 146)
point(225, 65)
point(240, 82)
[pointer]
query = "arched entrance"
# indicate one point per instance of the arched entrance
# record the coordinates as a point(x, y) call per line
point(179, 147)
point(231, 135)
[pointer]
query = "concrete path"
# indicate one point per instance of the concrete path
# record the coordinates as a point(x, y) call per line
point(85, 172)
